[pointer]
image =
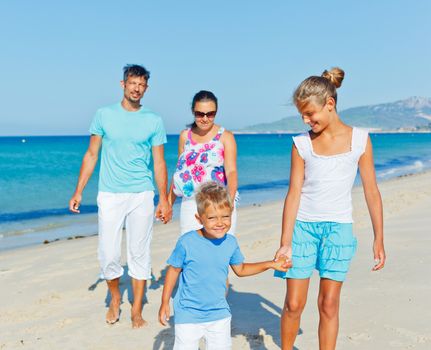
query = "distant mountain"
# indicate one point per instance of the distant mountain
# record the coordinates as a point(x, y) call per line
point(413, 113)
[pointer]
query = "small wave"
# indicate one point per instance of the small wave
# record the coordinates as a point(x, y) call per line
point(396, 162)
point(33, 229)
point(38, 214)
point(415, 167)
point(264, 185)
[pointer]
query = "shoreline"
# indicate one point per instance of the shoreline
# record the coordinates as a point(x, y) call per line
point(86, 224)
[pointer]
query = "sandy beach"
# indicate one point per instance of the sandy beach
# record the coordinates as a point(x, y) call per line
point(51, 296)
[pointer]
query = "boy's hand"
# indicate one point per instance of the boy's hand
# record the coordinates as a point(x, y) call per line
point(164, 314)
point(283, 263)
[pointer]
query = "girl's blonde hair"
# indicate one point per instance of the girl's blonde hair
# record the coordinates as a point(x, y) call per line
point(211, 193)
point(318, 89)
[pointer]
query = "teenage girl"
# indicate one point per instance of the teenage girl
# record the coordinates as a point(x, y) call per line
point(317, 215)
point(206, 152)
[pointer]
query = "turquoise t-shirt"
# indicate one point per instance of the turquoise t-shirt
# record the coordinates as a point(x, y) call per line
point(127, 138)
point(201, 294)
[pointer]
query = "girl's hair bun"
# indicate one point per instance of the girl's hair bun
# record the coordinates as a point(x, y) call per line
point(335, 76)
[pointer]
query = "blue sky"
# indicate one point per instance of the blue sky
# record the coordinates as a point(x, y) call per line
point(61, 60)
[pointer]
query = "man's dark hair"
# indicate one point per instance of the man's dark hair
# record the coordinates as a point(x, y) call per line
point(135, 70)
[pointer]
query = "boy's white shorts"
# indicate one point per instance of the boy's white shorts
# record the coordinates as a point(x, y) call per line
point(136, 211)
point(216, 335)
point(188, 221)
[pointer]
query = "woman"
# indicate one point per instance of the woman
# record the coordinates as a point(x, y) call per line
point(206, 152)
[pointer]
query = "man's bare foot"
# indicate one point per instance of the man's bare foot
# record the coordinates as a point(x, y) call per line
point(113, 314)
point(138, 321)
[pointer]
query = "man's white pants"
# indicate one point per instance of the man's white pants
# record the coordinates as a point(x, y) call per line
point(136, 211)
point(216, 335)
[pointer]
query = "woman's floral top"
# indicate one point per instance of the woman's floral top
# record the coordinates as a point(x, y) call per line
point(199, 163)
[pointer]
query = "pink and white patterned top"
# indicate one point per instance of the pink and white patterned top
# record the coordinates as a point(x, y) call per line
point(199, 163)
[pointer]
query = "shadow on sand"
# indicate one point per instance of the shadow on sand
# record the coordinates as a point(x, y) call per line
point(125, 285)
point(253, 317)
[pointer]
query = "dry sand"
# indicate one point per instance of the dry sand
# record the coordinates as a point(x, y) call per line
point(51, 297)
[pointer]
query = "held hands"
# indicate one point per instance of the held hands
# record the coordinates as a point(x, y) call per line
point(379, 255)
point(282, 263)
point(164, 313)
point(285, 250)
point(74, 203)
point(163, 212)
point(283, 258)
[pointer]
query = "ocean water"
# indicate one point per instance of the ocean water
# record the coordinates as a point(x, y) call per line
point(38, 176)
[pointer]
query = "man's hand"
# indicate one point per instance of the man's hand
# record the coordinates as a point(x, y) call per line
point(164, 211)
point(164, 314)
point(74, 203)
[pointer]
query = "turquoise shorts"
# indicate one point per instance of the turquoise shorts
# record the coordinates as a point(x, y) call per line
point(326, 246)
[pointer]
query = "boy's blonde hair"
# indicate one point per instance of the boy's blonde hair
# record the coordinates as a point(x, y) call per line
point(318, 89)
point(211, 193)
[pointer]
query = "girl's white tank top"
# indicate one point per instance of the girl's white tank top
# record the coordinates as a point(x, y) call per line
point(327, 190)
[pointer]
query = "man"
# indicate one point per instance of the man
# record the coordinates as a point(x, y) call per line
point(127, 133)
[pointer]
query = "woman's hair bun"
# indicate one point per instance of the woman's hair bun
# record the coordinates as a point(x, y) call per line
point(334, 75)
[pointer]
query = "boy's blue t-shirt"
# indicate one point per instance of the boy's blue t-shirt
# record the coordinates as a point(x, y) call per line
point(127, 138)
point(201, 294)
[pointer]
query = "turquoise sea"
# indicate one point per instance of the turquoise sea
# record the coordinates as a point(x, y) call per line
point(38, 176)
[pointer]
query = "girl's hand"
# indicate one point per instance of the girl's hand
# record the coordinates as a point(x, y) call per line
point(285, 250)
point(379, 255)
point(282, 263)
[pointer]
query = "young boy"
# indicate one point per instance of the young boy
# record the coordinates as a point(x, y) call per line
point(201, 259)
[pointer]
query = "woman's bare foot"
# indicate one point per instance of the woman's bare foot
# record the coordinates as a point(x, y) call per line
point(137, 320)
point(113, 314)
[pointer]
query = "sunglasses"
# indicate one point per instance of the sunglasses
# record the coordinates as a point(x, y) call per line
point(209, 115)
